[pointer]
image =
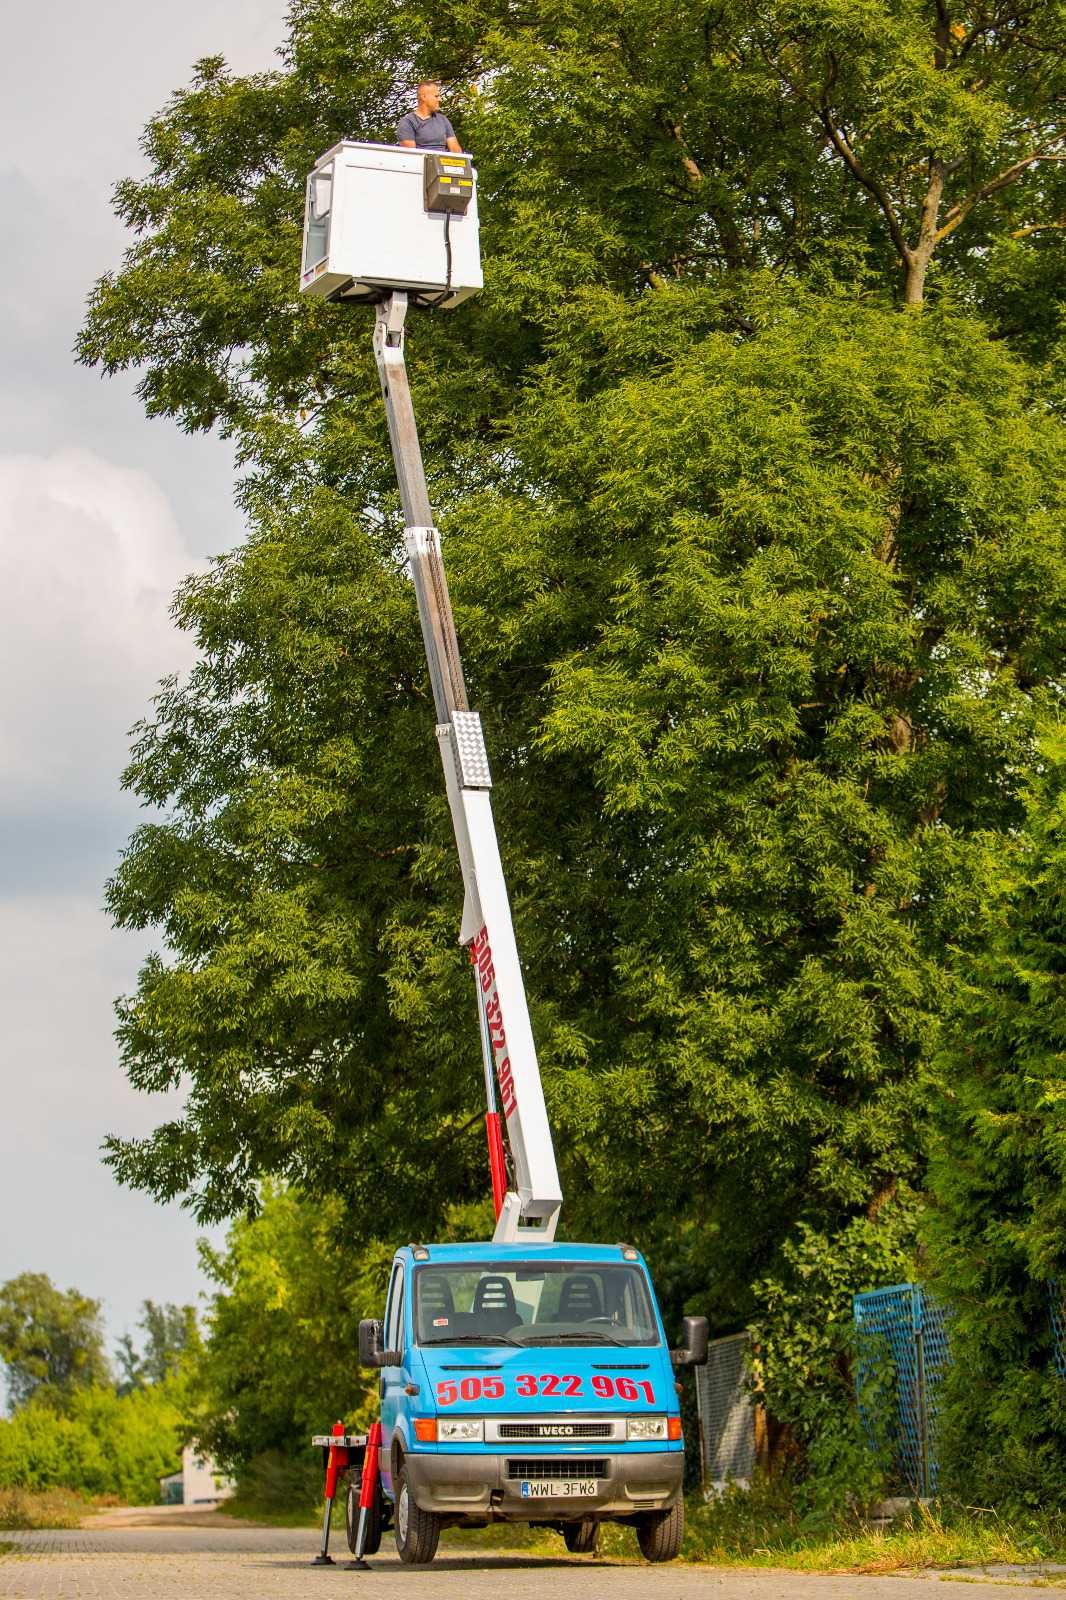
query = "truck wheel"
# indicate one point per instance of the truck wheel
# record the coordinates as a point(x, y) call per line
point(580, 1537)
point(417, 1531)
point(659, 1533)
point(351, 1517)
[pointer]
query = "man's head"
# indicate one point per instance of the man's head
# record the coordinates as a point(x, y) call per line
point(428, 96)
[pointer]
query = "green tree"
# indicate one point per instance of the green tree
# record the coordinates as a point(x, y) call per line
point(759, 584)
point(51, 1340)
point(100, 1444)
point(998, 1177)
point(945, 118)
point(754, 665)
point(170, 1337)
point(283, 1325)
point(725, 151)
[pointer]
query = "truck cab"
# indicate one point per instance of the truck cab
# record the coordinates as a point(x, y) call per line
point(528, 1383)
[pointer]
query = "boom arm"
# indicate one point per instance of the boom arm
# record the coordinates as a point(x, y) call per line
point(510, 1058)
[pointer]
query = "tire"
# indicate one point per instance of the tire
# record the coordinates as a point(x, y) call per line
point(417, 1531)
point(580, 1537)
point(659, 1533)
point(351, 1517)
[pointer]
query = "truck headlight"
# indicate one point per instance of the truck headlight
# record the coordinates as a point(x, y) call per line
point(645, 1427)
point(450, 1430)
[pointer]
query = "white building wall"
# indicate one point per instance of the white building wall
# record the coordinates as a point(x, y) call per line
point(202, 1483)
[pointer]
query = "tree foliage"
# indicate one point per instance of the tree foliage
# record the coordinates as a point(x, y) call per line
point(806, 1347)
point(70, 1427)
point(996, 1233)
point(50, 1339)
point(759, 583)
point(945, 118)
point(100, 1443)
point(283, 1324)
point(171, 1337)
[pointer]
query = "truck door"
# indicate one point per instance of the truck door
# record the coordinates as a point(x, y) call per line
point(392, 1378)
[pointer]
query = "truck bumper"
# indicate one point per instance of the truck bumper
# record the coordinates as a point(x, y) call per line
point(481, 1486)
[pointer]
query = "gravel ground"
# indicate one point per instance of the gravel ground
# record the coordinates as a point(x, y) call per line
point(223, 1563)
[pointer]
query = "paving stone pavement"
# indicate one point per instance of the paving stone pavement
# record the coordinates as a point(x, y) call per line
point(227, 1563)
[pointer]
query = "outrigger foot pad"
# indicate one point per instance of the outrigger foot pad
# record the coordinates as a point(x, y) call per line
point(359, 1565)
point(322, 1561)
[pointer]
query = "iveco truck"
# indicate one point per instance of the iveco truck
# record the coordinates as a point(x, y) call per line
point(528, 1385)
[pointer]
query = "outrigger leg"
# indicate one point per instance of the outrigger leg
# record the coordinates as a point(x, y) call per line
point(367, 1490)
point(338, 1459)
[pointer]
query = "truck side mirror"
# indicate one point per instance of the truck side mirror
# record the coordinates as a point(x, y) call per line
point(371, 1349)
point(693, 1352)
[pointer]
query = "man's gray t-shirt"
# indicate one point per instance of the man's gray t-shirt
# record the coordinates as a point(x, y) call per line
point(428, 133)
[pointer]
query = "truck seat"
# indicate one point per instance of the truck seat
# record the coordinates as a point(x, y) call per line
point(580, 1299)
point(434, 1302)
point(494, 1308)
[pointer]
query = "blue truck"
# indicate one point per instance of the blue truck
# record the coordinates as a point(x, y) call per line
point(523, 1379)
point(527, 1385)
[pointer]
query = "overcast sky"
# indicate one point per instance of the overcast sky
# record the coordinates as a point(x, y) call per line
point(101, 514)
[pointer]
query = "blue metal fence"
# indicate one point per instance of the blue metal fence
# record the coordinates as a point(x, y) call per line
point(904, 1338)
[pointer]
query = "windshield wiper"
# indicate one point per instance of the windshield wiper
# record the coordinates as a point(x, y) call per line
point(475, 1338)
point(576, 1338)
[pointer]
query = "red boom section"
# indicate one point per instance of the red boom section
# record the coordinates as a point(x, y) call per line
point(496, 1166)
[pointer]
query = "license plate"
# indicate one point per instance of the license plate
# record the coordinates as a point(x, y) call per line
point(559, 1488)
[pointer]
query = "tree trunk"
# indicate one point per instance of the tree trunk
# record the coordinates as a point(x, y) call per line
point(918, 259)
point(914, 279)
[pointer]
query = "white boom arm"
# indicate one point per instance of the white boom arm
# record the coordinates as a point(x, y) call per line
point(510, 1058)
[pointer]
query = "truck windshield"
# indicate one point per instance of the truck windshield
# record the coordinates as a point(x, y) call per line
point(534, 1302)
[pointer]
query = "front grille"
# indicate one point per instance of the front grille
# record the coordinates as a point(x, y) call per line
point(558, 1467)
point(556, 1430)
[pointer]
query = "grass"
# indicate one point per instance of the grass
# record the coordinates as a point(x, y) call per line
point(41, 1508)
point(766, 1527)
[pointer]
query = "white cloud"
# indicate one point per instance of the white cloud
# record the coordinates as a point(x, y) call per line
point(90, 556)
point(62, 1092)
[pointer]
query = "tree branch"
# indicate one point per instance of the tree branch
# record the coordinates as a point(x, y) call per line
point(1038, 227)
point(962, 208)
point(943, 36)
point(871, 184)
point(692, 170)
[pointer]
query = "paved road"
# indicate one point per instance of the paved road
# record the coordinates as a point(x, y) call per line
point(187, 1563)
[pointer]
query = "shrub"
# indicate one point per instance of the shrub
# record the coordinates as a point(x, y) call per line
point(102, 1444)
point(40, 1508)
